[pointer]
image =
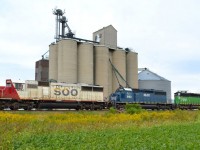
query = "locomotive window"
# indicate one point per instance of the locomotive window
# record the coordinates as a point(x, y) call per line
point(41, 83)
point(98, 89)
point(86, 88)
point(32, 86)
point(145, 91)
point(19, 86)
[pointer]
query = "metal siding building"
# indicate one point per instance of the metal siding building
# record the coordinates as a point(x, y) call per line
point(150, 80)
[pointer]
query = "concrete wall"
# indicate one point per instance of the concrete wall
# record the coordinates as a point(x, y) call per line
point(119, 62)
point(85, 63)
point(67, 61)
point(131, 69)
point(73, 61)
point(107, 36)
point(101, 70)
point(53, 62)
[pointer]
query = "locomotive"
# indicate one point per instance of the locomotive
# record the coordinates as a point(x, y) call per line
point(185, 100)
point(49, 95)
point(38, 95)
point(147, 98)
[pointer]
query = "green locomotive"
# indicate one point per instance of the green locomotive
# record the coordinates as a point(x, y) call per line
point(183, 99)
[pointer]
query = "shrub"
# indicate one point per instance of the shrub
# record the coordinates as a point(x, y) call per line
point(112, 110)
point(133, 108)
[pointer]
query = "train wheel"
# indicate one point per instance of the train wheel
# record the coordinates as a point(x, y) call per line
point(78, 108)
point(82, 107)
point(91, 107)
point(1, 106)
point(100, 107)
point(28, 107)
point(14, 106)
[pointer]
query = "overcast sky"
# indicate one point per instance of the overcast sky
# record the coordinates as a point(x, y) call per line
point(164, 33)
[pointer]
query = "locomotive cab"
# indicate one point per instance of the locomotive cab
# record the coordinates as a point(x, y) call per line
point(122, 95)
point(8, 91)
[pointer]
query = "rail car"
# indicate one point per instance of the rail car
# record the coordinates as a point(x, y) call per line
point(148, 99)
point(44, 95)
point(185, 100)
point(38, 95)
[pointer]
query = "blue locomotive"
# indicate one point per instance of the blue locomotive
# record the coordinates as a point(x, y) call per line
point(147, 98)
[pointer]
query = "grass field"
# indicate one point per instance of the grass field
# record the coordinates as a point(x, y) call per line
point(100, 130)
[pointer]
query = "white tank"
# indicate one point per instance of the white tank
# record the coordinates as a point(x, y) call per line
point(67, 61)
point(53, 62)
point(119, 61)
point(85, 63)
point(132, 69)
point(102, 67)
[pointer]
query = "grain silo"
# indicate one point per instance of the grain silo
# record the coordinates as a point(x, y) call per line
point(85, 63)
point(53, 62)
point(101, 67)
point(150, 80)
point(132, 69)
point(119, 62)
point(67, 61)
point(110, 73)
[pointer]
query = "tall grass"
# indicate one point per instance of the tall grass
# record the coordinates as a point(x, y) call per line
point(56, 130)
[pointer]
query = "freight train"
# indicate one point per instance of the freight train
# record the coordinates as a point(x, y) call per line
point(49, 95)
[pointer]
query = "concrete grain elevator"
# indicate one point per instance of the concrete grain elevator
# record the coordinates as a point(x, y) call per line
point(76, 60)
